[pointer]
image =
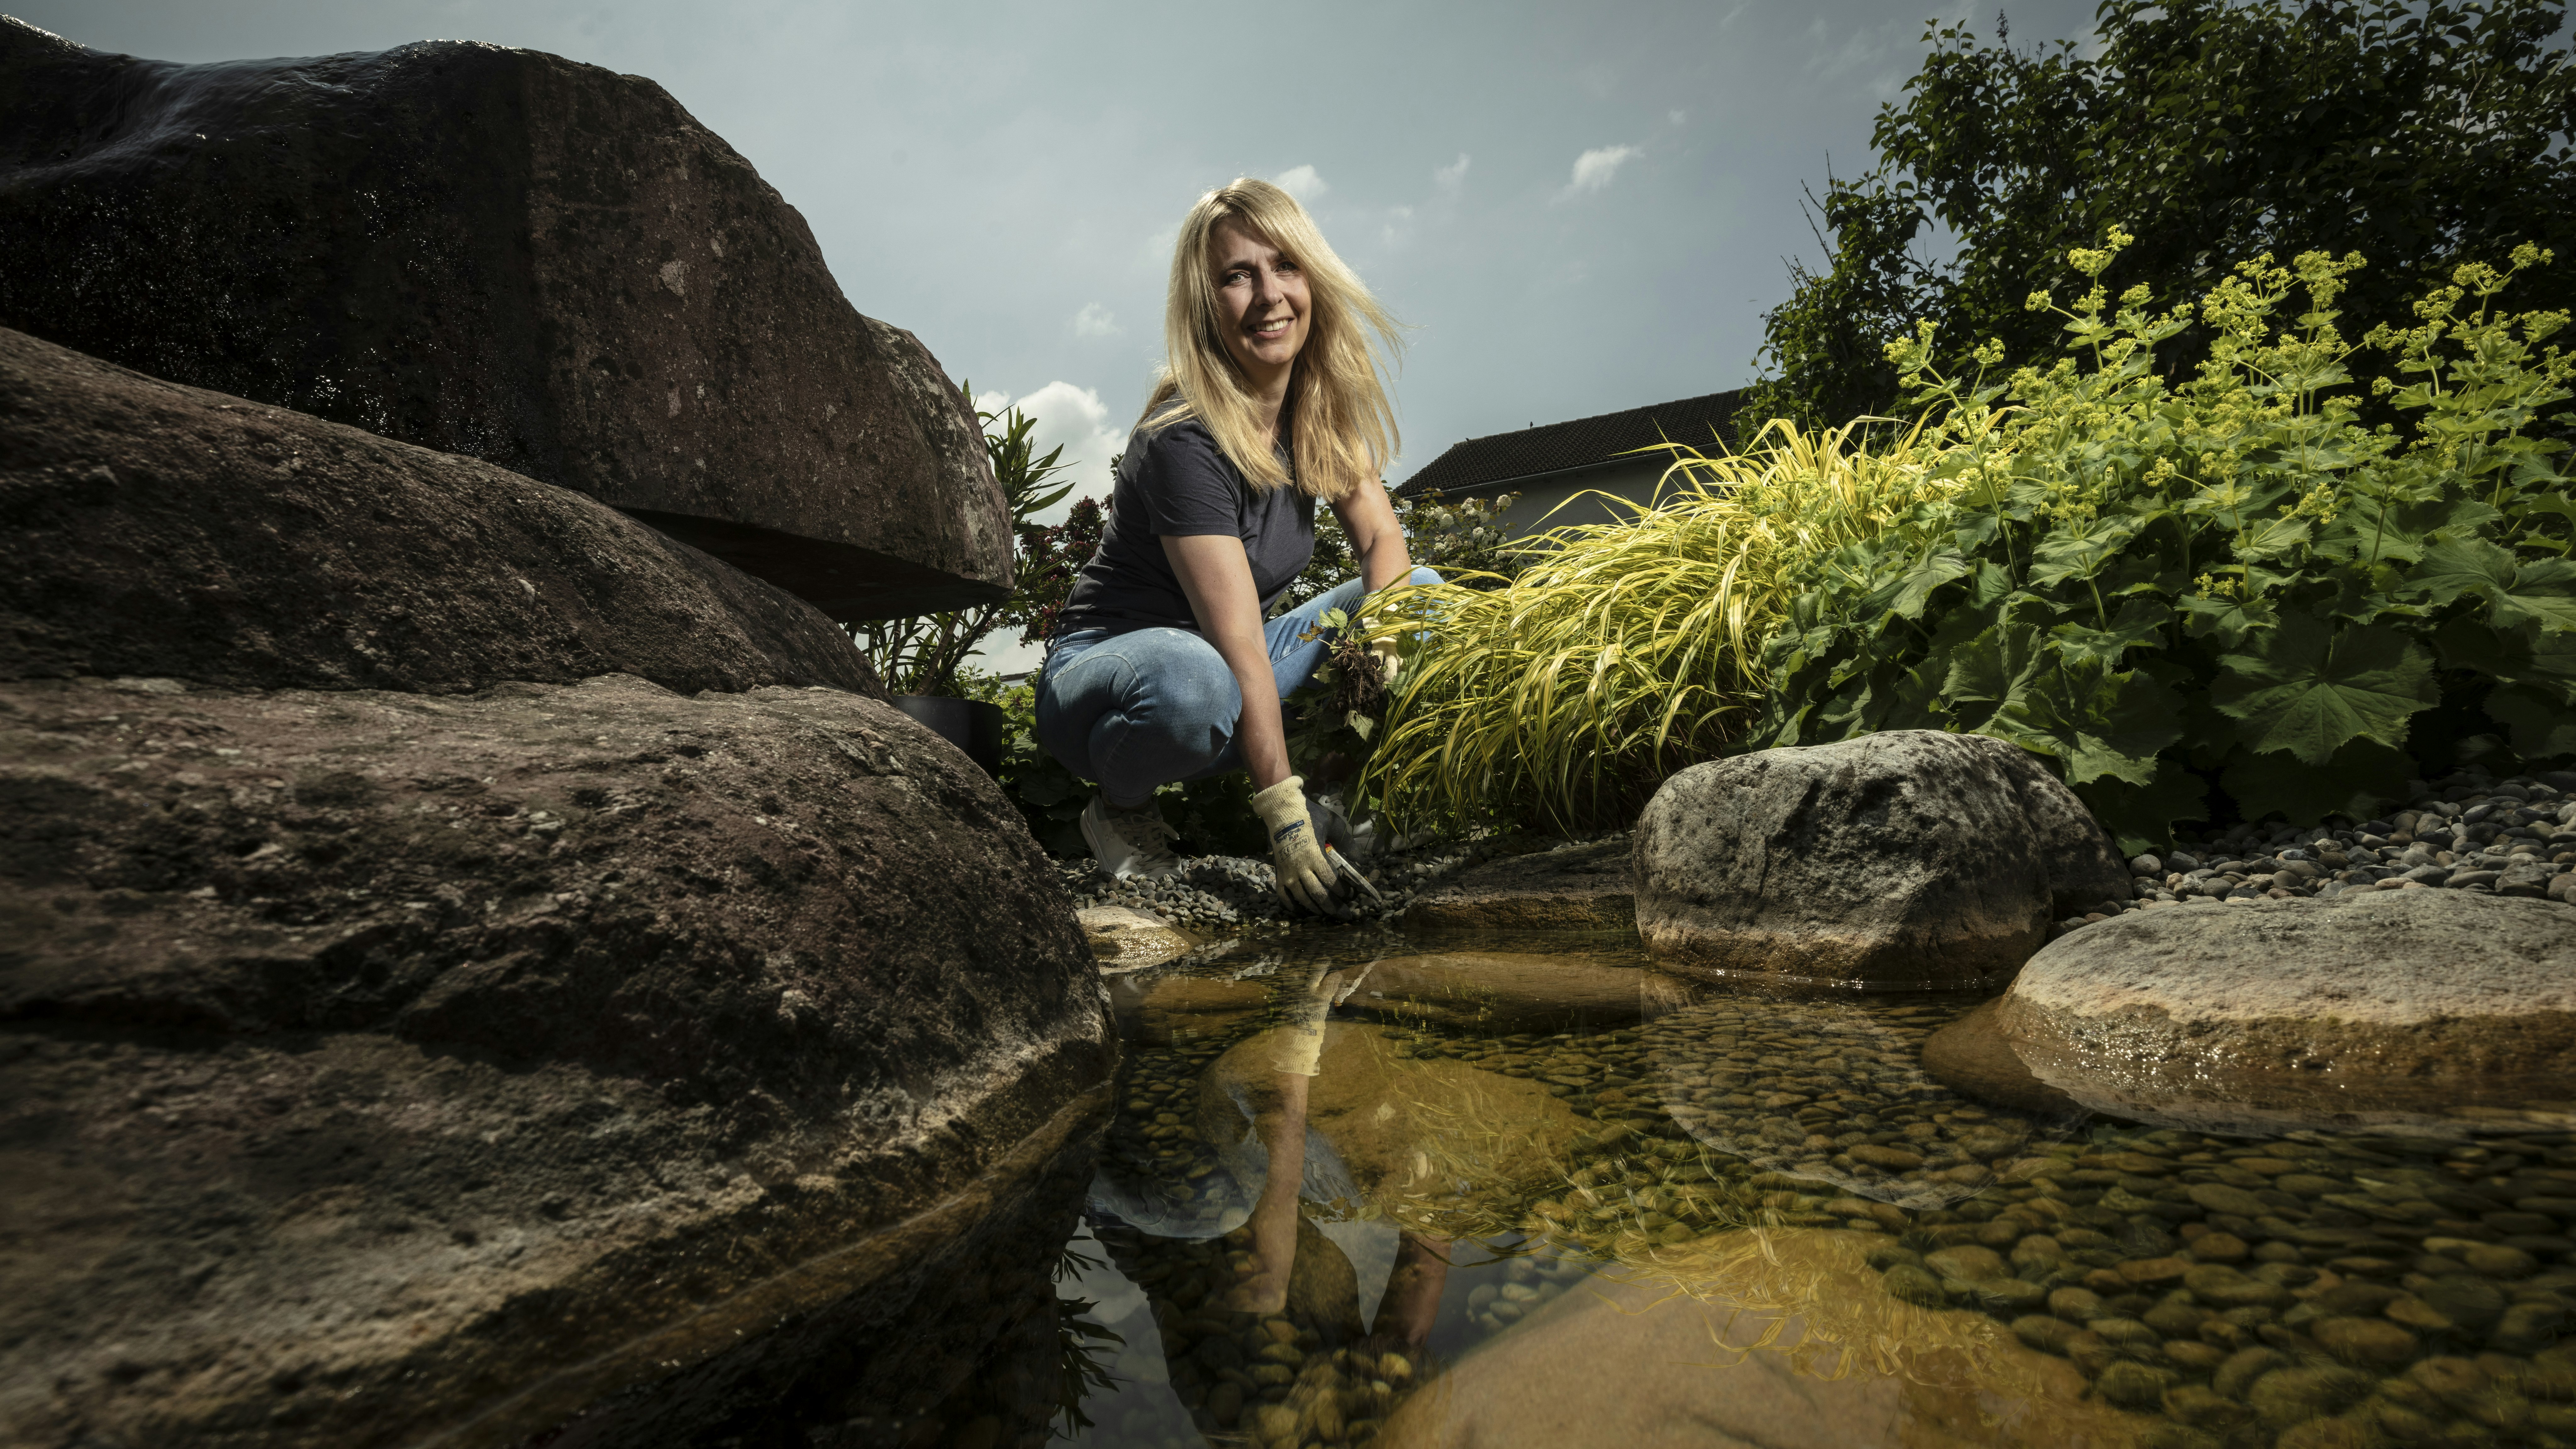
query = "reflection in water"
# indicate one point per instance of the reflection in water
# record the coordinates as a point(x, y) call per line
point(1446, 1198)
point(1831, 1088)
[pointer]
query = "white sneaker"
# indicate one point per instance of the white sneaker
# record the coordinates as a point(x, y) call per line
point(1127, 844)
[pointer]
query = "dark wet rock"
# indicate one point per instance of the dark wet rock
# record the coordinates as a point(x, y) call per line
point(2290, 1396)
point(1971, 1058)
point(1575, 888)
point(507, 255)
point(374, 1059)
point(2293, 1012)
point(158, 531)
point(1908, 856)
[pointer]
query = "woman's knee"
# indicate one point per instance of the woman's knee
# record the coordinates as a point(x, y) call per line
point(1192, 695)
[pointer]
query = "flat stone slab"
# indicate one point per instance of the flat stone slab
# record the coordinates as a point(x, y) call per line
point(2380, 1008)
point(1124, 939)
point(1572, 888)
point(1504, 991)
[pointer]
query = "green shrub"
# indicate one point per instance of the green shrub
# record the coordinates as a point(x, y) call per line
point(1620, 652)
point(2425, 133)
point(2155, 585)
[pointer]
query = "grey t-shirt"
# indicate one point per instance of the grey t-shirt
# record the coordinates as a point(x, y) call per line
point(1176, 483)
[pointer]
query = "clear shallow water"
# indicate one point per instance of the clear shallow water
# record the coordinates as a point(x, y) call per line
point(1547, 1196)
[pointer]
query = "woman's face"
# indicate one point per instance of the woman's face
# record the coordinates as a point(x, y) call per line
point(1261, 304)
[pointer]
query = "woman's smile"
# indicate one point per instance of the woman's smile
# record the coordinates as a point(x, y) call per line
point(1262, 293)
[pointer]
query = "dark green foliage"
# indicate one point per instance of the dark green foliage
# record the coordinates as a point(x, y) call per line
point(2155, 585)
point(2418, 135)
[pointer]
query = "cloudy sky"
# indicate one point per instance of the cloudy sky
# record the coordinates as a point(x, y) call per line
point(1576, 207)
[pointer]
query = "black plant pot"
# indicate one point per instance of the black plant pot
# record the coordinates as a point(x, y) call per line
point(970, 724)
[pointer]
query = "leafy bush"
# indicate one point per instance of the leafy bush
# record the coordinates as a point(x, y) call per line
point(1620, 652)
point(2424, 133)
point(2154, 585)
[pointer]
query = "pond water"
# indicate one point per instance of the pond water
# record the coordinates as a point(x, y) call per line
point(1359, 1191)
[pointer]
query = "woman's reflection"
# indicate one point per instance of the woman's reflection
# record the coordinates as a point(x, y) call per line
point(1410, 1304)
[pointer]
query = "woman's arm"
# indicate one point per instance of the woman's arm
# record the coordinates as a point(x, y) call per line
point(1218, 580)
point(1377, 540)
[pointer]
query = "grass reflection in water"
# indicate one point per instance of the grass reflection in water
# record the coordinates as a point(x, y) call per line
point(1553, 1198)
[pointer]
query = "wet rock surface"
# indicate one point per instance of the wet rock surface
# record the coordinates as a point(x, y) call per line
point(373, 1059)
point(507, 255)
point(2379, 1006)
point(1971, 1057)
point(1583, 887)
point(164, 531)
point(1911, 857)
point(1128, 940)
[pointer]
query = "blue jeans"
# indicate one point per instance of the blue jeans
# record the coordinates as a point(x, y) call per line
point(1139, 708)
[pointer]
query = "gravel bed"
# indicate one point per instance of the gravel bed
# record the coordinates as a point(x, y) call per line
point(2468, 831)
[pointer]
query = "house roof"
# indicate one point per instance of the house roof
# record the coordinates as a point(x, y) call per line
point(1501, 458)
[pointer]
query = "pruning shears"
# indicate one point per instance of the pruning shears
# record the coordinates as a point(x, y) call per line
point(1342, 866)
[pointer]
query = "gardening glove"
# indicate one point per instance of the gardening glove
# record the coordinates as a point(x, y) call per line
point(1389, 662)
point(1305, 879)
point(1299, 1045)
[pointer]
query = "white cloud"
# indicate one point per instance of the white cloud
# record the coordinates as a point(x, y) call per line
point(1095, 320)
point(1399, 226)
point(1594, 168)
point(1677, 115)
point(1451, 179)
point(1302, 183)
point(1076, 418)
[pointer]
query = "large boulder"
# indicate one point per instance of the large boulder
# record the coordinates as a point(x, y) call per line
point(1910, 857)
point(504, 254)
point(372, 1062)
point(2378, 1007)
point(157, 530)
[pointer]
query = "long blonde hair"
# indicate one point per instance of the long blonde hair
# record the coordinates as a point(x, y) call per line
point(1343, 428)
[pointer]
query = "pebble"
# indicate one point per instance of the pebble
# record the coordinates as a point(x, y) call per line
point(2467, 831)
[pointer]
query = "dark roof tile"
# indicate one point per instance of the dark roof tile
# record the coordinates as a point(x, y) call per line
point(1485, 462)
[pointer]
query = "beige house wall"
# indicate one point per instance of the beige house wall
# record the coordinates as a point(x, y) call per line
point(1558, 499)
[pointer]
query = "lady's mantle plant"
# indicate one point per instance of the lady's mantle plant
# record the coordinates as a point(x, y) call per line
point(2150, 583)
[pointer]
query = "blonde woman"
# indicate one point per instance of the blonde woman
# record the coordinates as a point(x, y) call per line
point(1162, 669)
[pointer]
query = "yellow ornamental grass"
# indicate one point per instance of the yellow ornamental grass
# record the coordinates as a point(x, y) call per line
point(1623, 651)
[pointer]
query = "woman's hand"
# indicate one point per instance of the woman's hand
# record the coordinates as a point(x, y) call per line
point(1217, 578)
point(1377, 541)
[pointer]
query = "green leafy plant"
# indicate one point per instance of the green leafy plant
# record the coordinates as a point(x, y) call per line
point(921, 653)
point(1620, 652)
point(2424, 133)
point(2155, 584)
